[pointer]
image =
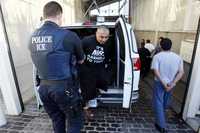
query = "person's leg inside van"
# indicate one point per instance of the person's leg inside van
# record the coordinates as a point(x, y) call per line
point(88, 88)
point(87, 83)
point(102, 79)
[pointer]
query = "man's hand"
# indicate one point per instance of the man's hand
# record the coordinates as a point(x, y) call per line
point(167, 87)
point(81, 62)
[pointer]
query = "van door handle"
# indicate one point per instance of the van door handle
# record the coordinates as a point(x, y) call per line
point(127, 83)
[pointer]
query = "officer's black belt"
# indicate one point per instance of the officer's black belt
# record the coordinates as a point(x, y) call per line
point(53, 82)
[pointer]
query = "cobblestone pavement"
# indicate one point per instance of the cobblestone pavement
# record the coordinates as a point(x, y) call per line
point(107, 120)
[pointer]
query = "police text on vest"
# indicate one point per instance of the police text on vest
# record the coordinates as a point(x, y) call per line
point(42, 42)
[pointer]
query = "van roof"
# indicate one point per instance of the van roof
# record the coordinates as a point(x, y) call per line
point(92, 25)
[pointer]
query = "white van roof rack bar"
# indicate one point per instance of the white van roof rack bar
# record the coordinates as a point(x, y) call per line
point(122, 6)
point(93, 3)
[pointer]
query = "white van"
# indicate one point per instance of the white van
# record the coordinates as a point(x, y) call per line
point(126, 69)
point(124, 88)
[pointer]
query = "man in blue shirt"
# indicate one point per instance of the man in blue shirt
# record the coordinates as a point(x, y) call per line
point(55, 53)
point(168, 70)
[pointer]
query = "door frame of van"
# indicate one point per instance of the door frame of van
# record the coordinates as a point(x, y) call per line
point(190, 72)
point(11, 59)
point(126, 32)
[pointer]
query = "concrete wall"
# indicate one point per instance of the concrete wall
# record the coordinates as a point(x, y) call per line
point(176, 37)
point(165, 15)
point(176, 19)
point(21, 18)
point(79, 11)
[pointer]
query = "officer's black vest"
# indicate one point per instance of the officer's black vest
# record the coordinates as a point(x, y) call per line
point(52, 61)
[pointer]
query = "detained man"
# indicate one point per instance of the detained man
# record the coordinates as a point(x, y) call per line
point(168, 70)
point(93, 74)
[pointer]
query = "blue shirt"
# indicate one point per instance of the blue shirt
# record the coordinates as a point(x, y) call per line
point(168, 64)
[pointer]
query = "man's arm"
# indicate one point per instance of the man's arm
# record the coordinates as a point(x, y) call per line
point(179, 74)
point(84, 43)
point(177, 78)
point(79, 52)
point(72, 43)
point(155, 68)
point(81, 61)
point(157, 74)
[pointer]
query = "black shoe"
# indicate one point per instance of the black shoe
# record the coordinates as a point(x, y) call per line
point(161, 130)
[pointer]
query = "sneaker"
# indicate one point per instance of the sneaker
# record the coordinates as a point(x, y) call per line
point(92, 103)
point(88, 114)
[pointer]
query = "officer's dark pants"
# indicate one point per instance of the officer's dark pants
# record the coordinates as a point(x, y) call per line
point(161, 101)
point(56, 104)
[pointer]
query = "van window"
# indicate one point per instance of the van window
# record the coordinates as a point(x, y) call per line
point(121, 41)
point(133, 41)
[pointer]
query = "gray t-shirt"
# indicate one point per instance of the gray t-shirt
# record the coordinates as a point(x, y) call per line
point(168, 64)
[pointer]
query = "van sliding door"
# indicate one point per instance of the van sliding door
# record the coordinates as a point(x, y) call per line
point(125, 67)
